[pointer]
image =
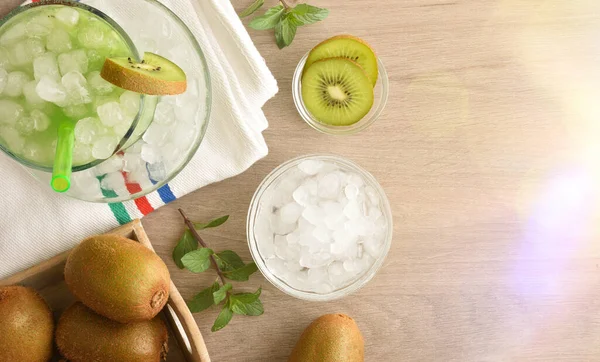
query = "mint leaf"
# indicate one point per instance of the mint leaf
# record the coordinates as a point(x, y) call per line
point(247, 303)
point(197, 261)
point(246, 297)
point(251, 309)
point(242, 274)
point(269, 20)
point(304, 14)
point(211, 224)
point(221, 294)
point(223, 318)
point(228, 260)
point(252, 8)
point(186, 244)
point(203, 300)
point(285, 31)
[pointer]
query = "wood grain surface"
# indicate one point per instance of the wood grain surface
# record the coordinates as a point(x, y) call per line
point(489, 151)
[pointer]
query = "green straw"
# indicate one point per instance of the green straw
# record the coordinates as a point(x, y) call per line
point(63, 158)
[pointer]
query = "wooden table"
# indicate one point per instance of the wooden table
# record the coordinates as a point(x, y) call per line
point(489, 151)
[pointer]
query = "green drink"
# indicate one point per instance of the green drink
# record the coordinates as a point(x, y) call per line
point(50, 62)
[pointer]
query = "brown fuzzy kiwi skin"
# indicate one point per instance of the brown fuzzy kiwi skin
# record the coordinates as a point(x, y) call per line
point(331, 338)
point(128, 79)
point(84, 336)
point(26, 325)
point(118, 278)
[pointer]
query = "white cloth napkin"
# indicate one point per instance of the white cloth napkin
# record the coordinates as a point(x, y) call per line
point(36, 224)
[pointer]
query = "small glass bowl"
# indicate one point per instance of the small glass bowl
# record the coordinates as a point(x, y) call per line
point(381, 95)
point(255, 212)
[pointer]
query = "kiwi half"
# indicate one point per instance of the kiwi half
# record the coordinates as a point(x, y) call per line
point(350, 47)
point(337, 91)
point(155, 75)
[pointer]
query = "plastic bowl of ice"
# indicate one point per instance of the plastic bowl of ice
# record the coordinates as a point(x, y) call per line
point(319, 227)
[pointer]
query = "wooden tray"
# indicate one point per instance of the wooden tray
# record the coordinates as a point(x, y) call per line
point(185, 340)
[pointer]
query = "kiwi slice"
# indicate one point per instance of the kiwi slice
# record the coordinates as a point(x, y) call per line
point(155, 75)
point(350, 47)
point(337, 91)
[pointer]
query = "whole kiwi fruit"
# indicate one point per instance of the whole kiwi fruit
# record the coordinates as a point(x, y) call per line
point(85, 336)
point(118, 278)
point(330, 338)
point(26, 325)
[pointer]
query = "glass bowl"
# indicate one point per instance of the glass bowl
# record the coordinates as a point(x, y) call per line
point(381, 95)
point(166, 141)
point(257, 209)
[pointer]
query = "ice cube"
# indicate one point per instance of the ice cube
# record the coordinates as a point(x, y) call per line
point(49, 90)
point(120, 129)
point(85, 183)
point(41, 121)
point(373, 247)
point(164, 113)
point(186, 108)
point(132, 161)
point(36, 152)
point(293, 237)
point(264, 238)
point(104, 147)
point(322, 234)
point(74, 61)
point(98, 84)
point(86, 129)
point(276, 266)
point(184, 134)
point(374, 213)
point(68, 16)
point(46, 64)
point(156, 134)
point(113, 164)
point(290, 213)
point(314, 260)
point(356, 180)
point(14, 34)
point(95, 59)
point(156, 172)
point(114, 181)
point(293, 266)
point(110, 114)
point(302, 195)
point(150, 154)
point(280, 244)
point(13, 139)
point(279, 226)
point(310, 167)
point(372, 195)
point(317, 275)
point(336, 268)
point(81, 154)
point(58, 41)
point(36, 30)
point(351, 191)
point(24, 126)
point(130, 103)
point(314, 214)
point(31, 94)
point(353, 210)
point(10, 111)
point(15, 83)
point(24, 52)
point(93, 37)
point(76, 111)
point(329, 186)
point(76, 86)
point(3, 79)
point(43, 20)
point(4, 62)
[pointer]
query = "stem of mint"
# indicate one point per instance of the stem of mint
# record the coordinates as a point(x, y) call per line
point(196, 236)
point(285, 5)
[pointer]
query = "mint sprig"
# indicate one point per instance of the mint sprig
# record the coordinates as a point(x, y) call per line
point(195, 255)
point(285, 20)
point(252, 8)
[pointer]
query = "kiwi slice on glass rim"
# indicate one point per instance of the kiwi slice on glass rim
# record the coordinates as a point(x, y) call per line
point(337, 91)
point(155, 75)
point(350, 47)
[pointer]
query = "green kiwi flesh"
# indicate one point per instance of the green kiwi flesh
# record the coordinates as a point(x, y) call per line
point(337, 91)
point(350, 47)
